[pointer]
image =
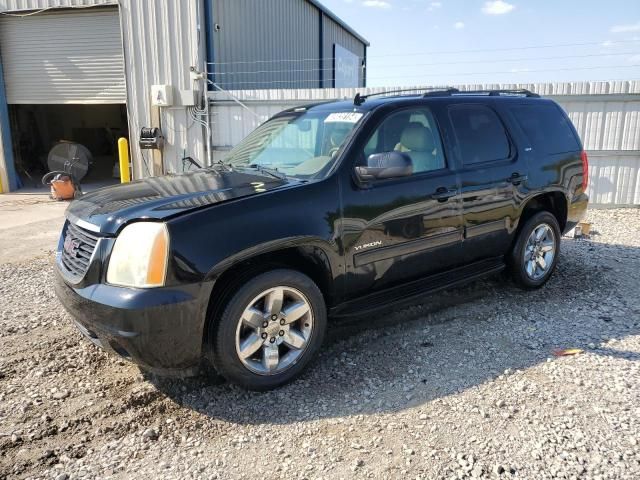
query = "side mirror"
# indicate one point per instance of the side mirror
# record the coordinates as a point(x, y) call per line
point(386, 165)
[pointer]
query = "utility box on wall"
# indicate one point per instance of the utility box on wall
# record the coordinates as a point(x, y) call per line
point(161, 95)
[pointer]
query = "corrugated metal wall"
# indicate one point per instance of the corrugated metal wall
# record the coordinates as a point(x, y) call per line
point(161, 41)
point(334, 33)
point(606, 115)
point(261, 44)
point(275, 44)
point(605, 123)
point(614, 178)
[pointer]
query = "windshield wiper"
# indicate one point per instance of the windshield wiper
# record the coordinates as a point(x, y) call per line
point(222, 164)
point(269, 171)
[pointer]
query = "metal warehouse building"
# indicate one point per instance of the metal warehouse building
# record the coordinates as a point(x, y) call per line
point(90, 71)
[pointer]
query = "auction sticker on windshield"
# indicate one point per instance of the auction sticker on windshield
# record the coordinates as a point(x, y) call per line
point(347, 117)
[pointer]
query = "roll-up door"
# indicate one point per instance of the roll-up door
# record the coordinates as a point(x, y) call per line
point(70, 56)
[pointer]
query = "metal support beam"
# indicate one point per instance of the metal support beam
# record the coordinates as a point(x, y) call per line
point(364, 68)
point(8, 176)
point(209, 38)
point(321, 45)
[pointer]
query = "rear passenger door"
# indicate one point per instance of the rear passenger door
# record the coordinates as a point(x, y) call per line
point(493, 177)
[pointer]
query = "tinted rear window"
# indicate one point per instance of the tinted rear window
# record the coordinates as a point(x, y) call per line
point(546, 127)
point(480, 134)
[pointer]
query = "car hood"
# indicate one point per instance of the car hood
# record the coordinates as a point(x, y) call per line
point(107, 209)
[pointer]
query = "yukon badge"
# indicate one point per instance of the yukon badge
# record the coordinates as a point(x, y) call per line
point(368, 245)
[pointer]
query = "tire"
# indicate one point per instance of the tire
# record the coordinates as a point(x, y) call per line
point(523, 254)
point(292, 343)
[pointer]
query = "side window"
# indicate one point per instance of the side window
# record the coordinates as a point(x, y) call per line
point(546, 127)
point(413, 132)
point(480, 134)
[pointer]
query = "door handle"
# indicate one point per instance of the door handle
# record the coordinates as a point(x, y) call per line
point(443, 194)
point(516, 178)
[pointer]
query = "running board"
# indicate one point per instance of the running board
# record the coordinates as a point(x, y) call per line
point(413, 290)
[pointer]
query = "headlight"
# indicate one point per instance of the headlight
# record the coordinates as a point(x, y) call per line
point(139, 256)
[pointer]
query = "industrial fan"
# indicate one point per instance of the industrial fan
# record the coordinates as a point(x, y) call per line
point(69, 163)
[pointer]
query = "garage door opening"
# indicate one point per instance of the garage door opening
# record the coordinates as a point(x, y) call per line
point(36, 129)
point(64, 81)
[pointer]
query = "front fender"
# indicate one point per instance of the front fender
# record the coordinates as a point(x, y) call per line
point(207, 242)
point(321, 248)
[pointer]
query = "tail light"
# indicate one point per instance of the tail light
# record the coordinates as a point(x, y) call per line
point(585, 170)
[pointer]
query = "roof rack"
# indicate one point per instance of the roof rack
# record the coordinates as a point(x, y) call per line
point(360, 99)
point(516, 92)
point(451, 91)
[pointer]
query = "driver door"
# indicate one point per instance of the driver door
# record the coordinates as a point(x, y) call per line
point(399, 229)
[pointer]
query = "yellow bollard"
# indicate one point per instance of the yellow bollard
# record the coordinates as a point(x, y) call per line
point(123, 152)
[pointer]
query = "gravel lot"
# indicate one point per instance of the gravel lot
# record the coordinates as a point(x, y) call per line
point(465, 385)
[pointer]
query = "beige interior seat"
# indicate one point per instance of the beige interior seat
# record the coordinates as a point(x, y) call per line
point(417, 141)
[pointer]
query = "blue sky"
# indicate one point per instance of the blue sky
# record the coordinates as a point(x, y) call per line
point(409, 39)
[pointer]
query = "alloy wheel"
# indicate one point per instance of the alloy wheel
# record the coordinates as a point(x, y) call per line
point(539, 251)
point(274, 330)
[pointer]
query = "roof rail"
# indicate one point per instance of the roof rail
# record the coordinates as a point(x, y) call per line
point(360, 99)
point(520, 92)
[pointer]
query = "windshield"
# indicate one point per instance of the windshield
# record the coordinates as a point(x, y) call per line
point(297, 144)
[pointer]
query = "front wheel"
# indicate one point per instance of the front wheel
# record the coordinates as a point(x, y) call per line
point(270, 330)
point(535, 254)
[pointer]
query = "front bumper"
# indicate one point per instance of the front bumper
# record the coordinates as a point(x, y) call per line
point(159, 329)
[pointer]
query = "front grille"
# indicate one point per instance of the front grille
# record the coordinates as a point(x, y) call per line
point(77, 249)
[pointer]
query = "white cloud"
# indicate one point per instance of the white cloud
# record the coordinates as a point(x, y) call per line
point(626, 28)
point(376, 4)
point(634, 58)
point(434, 6)
point(497, 7)
point(458, 25)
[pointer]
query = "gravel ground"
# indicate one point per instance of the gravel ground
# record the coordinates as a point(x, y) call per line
point(465, 385)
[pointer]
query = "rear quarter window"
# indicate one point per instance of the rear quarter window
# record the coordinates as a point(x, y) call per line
point(546, 127)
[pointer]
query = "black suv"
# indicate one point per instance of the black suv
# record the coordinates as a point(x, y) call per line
point(325, 210)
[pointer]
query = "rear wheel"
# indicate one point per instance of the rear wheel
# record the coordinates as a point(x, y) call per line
point(535, 254)
point(270, 330)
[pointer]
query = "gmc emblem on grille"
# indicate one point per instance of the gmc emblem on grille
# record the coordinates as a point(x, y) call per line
point(71, 246)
